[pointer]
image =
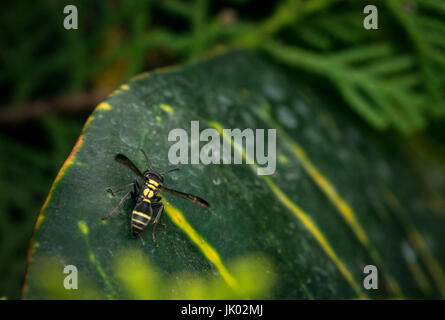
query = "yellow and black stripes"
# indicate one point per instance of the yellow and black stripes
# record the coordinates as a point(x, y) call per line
point(152, 187)
point(147, 193)
point(149, 189)
point(153, 182)
point(137, 225)
point(142, 212)
point(141, 216)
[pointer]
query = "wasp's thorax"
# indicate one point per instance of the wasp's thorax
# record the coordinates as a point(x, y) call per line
point(153, 176)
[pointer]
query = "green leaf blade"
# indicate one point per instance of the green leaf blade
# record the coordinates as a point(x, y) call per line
point(301, 233)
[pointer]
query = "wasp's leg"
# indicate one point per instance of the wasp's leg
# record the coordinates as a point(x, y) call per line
point(155, 223)
point(158, 203)
point(121, 202)
point(136, 189)
point(109, 190)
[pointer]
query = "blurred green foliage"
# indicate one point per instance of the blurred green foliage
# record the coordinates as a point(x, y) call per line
point(254, 274)
point(392, 77)
point(141, 280)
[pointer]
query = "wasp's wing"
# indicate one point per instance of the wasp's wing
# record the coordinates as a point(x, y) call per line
point(124, 160)
point(192, 198)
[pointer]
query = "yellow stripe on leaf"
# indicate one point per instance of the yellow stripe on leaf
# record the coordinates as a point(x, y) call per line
point(299, 213)
point(103, 106)
point(83, 227)
point(339, 203)
point(315, 231)
point(432, 264)
point(344, 209)
point(420, 277)
point(68, 162)
point(324, 184)
point(209, 252)
point(417, 241)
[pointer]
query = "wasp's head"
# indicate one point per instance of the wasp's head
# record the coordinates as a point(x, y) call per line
point(156, 176)
point(149, 174)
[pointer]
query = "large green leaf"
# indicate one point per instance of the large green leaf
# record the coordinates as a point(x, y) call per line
point(339, 199)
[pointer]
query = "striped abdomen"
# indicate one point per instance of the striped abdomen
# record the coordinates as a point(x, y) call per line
point(140, 217)
point(142, 212)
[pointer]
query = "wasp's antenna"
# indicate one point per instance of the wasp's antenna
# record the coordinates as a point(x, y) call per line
point(171, 170)
point(146, 158)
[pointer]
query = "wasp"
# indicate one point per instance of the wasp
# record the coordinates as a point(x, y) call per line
point(147, 196)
